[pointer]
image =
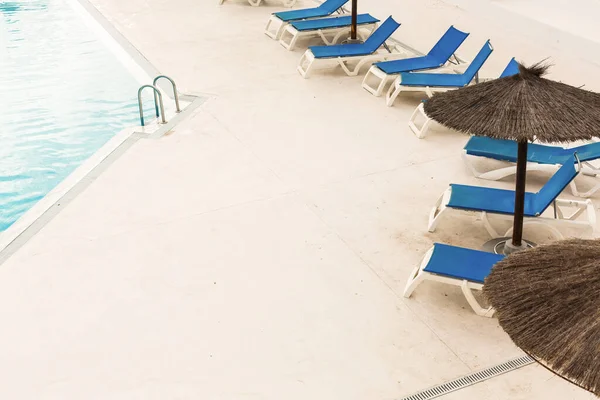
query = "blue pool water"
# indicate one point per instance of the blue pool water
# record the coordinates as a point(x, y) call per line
point(63, 95)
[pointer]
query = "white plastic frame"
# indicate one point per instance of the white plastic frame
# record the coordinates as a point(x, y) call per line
point(308, 61)
point(496, 174)
point(561, 219)
point(418, 275)
point(290, 35)
point(376, 79)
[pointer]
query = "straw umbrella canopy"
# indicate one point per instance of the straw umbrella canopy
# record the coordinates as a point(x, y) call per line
point(548, 301)
point(523, 107)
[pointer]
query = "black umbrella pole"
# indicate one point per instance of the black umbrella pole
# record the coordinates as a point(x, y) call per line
point(520, 194)
point(354, 19)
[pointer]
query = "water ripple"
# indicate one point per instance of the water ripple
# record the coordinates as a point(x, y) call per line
point(62, 94)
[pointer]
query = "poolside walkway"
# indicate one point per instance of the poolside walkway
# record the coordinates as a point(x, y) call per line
point(259, 250)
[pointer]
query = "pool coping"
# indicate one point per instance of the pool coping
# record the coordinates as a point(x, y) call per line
point(77, 181)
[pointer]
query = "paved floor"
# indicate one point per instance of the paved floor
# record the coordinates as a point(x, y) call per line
point(259, 250)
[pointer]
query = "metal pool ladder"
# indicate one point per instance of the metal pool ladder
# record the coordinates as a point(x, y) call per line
point(158, 99)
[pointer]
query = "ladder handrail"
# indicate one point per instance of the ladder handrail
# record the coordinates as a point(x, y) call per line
point(175, 95)
point(160, 98)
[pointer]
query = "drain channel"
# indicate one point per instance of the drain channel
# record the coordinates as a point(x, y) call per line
point(471, 379)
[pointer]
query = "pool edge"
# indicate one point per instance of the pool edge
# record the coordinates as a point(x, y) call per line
point(34, 219)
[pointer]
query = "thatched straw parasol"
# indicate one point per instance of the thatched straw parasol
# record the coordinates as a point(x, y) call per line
point(548, 301)
point(522, 107)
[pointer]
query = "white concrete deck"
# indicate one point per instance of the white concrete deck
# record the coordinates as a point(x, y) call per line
point(260, 250)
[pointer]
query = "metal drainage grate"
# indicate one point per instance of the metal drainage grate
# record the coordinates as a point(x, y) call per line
point(471, 379)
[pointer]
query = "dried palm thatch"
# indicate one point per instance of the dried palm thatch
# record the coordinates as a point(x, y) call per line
point(521, 107)
point(548, 301)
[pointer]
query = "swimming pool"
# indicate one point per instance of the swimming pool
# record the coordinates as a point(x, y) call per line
point(63, 95)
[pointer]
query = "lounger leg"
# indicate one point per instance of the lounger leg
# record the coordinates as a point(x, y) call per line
point(292, 33)
point(336, 37)
point(417, 275)
point(377, 76)
point(591, 213)
point(324, 38)
point(493, 175)
point(255, 3)
point(359, 65)
point(306, 62)
point(436, 212)
point(589, 169)
point(280, 26)
point(348, 71)
point(479, 310)
point(392, 93)
point(586, 206)
point(488, 226)
point(577, 193)
point(555, 233)
point(420, 133)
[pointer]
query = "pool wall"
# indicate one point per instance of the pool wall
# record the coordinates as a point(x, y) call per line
point(143, 71)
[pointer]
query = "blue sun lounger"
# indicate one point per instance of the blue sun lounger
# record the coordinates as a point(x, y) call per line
point(456, 266)
point(511, 69)
point(341, 54)
point(256, 3)
point(430, 83)
point(540, 158)
point(281, 19)
point(380, 73)
point(330, 30)
point(501, 203)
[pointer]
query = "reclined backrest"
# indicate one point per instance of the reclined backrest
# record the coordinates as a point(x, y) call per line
point(477, 62)
point(447, 45)
point(511, 69)
point(330, 6)
point(382, 33)
point(559, 181)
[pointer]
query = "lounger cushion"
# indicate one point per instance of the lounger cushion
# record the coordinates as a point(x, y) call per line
point(437, 56)
point(409, 64)
point(435, 80)
point(492, 200)
point(503, 201)
point(448, 80)
point(374, 42)
point(329, 23)
point(325, 9)
point(460, 263)
point(506, 150)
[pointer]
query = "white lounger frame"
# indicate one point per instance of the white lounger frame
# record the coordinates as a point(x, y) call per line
point(256, 3)
point(419, 111)
point(397, 87)
point(280, 25)
point(376, 79)
point(412, 122)
point(308, 60)
point(561, 219)
point(418, 275)
point(587, 169)
point(290, 35)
